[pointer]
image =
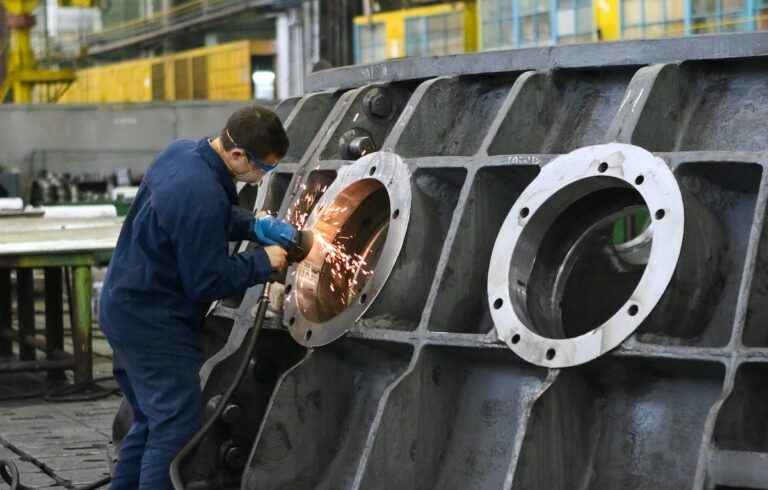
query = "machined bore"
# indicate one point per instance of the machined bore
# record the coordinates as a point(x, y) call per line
point(565, 288)
point(359, 226)
point(350, 232)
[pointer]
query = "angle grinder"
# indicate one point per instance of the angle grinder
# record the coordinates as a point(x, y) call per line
point(300, 246)
point(270, 230)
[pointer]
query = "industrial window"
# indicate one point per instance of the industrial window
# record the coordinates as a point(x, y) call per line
point(656, 18)
point(517, 23)
point(370, 43)
point(761, 15)
point(652, 18)
point(158, 81)
point(534, 23)
point(181, 80)
point(719, 16)
point(498, 24)
point(200, 77)
point(575, 21)
point(434, 35)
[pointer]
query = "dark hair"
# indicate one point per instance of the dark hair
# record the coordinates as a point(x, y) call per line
point(256, 129)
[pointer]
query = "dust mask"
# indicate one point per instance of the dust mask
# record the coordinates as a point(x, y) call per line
point(252, 176)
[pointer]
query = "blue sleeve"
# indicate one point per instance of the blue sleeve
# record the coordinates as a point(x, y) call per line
point(198, 230)
point(240, 224)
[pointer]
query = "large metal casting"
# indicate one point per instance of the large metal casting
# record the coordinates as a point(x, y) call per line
point(507, 336)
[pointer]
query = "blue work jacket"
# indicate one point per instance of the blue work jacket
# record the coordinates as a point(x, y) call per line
point(172, 256)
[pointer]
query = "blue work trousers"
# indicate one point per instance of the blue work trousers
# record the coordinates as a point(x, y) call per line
point(164, 391)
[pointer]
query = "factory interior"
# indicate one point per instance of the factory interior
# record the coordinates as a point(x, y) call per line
point(383, 244)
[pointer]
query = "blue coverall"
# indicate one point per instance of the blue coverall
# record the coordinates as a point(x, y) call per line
point(171, 261)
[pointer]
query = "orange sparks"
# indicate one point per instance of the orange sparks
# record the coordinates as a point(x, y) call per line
point(346, 269)
point(301, 209)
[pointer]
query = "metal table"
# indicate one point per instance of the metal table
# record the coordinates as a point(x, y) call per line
point(61, 247)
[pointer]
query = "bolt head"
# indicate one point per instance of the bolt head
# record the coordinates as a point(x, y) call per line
point(355, 143)
point(233, 455)
point(362, 145)
point(378, 103)
point(232, 413)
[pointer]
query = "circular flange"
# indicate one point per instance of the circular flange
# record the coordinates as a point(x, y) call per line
point(353, 185)
point(560, 183)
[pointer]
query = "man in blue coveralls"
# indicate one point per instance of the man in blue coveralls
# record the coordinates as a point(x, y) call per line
point(171, 261)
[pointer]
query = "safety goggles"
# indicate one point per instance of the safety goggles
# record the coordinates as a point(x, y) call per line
point(256, 162)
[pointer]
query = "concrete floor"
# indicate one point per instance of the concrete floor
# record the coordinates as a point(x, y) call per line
point(57, 445)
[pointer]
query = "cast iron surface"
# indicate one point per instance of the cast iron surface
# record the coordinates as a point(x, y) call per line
point(421, 393)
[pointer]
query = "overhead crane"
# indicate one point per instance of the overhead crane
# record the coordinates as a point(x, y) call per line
point(24, 71)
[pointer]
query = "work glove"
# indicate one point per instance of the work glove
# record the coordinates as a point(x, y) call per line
point(269, 230)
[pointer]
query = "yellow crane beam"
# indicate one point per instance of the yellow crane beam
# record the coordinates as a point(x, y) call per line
point(23, 71)
point(79, 3)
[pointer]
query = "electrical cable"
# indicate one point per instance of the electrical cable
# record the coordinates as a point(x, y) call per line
point(9, 472)
point(187, 449)
point(77, 392)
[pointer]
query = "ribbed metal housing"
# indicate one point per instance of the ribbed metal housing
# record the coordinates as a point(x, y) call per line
point(420, 393)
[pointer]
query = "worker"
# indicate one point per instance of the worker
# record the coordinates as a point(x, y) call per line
point(172, 259)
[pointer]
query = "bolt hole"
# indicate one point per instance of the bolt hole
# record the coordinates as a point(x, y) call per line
point(292, 320)
point(516, 338)
point(396, 214)
point(550, 354)
point(603, 167)
point(633, 310)
point(363, 299)
point(660, 214)
point(373, 170)
point(288, 289)
point(524, 212)
point(639, 180)
point(308, 335)
point(497, 304)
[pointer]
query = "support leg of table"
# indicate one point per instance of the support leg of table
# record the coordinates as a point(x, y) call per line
point(25, 299)
point(6, 320)
point(54, 317)
point(81, 328)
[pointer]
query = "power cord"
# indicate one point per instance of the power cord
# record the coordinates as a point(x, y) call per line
point(9, 472)
point(261, 312)
point(86, 391)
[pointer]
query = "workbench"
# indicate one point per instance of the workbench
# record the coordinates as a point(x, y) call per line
point(66, 249)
